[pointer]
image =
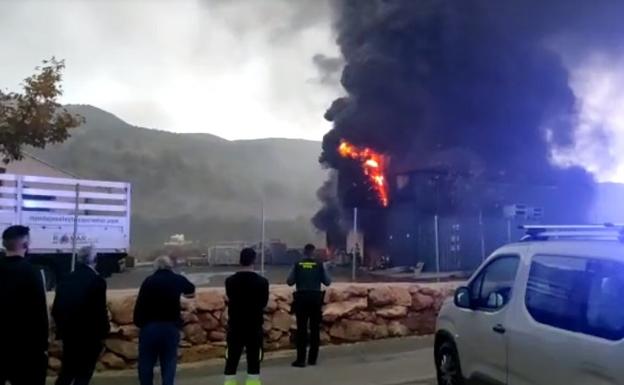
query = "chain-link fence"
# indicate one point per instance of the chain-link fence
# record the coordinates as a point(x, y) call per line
point(450, 244)
point(412, 246)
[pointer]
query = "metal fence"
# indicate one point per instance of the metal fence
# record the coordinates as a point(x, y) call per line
point(441, 244)
point(449, 244)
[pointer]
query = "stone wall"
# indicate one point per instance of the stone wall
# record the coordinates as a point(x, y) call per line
point(351, 313)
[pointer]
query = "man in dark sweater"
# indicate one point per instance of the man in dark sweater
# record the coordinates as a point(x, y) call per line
point(24, 319)
point(157, 314)
point(248, 295)
point(81, 319)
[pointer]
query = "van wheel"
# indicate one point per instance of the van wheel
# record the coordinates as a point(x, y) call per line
point(447, 364)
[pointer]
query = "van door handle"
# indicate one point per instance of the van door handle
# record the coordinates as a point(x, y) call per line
point(500, 329)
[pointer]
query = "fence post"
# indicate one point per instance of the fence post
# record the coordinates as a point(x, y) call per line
point(436, 230)
point(74, 238)
point(19, 184)
point(355, 229)
point(482, 235)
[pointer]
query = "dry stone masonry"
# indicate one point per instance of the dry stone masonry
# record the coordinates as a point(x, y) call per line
point(351, 313)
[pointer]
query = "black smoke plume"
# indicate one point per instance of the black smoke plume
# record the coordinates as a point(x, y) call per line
point(429, 78)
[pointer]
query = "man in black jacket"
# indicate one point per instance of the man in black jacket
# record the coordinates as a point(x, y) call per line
point(248, 295)
point(308, 275)
point(157, 314)
point(24, 318)
point(81, 319)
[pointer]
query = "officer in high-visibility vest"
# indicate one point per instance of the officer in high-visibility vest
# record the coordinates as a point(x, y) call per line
point(308, 275)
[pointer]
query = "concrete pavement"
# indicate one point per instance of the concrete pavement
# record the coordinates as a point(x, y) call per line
point(406, 361)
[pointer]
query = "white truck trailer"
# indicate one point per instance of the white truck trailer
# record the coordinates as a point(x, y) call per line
point(65, 214)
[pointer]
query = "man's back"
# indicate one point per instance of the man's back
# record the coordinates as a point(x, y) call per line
point(24, 320)
point(79, 308)
point(308, 275)
point(159, 298)
point(248, 295)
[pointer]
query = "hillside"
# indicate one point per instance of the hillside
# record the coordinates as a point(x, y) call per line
point(201, 185)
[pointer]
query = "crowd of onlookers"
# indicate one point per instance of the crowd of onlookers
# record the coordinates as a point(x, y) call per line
point(80, 316)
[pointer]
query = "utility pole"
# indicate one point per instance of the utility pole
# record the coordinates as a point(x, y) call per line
point(262, 242)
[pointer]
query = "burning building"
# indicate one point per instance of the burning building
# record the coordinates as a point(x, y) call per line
point(452, 109)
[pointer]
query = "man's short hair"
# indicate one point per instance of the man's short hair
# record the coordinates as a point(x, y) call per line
point(163, 263)
point(87, 255)
point(309, 249)
point(247, 256)
point(12, 235)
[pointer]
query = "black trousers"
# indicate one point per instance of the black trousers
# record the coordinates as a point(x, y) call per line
point(308, 309)
point(79, 359)
point(23, 368)
point(251, 341)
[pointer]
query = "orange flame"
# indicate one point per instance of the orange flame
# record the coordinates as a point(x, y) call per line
point(373, 166)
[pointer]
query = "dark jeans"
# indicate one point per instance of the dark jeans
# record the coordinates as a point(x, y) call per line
point(308, 309)
point(79, 359)
point(248, 339)
point(158, 341)
point(23, 368)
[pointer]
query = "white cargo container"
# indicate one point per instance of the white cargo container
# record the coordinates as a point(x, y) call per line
point(65, 214)
point(225, 254)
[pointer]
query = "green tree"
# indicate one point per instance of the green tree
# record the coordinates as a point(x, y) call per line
point(33, 117)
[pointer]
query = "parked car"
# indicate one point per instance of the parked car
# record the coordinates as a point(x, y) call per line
point(548, 310)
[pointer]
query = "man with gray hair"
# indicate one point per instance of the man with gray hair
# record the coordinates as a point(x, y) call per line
point(81, 319)
point(157, 314)
point(87, 256)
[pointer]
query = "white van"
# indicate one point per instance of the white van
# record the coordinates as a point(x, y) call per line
point(548, 310)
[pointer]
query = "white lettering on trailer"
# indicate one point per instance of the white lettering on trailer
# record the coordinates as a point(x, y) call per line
point(69, 219)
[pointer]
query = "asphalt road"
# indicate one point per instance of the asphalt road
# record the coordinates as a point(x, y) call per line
point(406, 361)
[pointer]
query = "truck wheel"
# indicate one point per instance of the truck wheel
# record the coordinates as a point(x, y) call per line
point(448, 367)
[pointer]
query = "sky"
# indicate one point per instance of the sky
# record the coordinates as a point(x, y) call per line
point(239, 69)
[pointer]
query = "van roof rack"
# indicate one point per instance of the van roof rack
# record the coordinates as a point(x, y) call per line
point(604, 232)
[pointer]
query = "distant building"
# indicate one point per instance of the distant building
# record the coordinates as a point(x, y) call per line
point(31, 165)
point(178, 240)
point(449, 218)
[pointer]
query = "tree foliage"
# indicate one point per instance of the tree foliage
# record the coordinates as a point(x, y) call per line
point(34, 117)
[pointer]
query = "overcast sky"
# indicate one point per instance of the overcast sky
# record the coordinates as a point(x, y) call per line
point(234, 68)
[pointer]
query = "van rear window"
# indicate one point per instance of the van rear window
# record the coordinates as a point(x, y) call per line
point(578, 294)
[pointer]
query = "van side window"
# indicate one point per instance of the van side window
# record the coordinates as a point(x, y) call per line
point(605, 308)
point(581, 295)
point(491, 289)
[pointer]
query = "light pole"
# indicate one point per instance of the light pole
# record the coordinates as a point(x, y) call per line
point(262, 241)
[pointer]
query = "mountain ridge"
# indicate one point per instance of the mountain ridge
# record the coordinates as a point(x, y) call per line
point(207, 187)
